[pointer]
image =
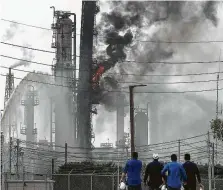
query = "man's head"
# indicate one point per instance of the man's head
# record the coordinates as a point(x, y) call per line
point(155, 156)
point(187, 157)
point(173, 157)
point(135, 155)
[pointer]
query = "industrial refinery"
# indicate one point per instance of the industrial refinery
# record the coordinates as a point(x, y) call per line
point(87, 83)
point(63, 103)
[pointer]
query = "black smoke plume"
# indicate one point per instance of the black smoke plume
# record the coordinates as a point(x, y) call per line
point(173, 20)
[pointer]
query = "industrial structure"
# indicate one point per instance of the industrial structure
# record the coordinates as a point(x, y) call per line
point(28, 127)
point(64, 29)
point(141, 127)
point(62, 105)
point(86, 93)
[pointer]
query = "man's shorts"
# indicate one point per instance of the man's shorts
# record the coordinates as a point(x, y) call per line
point(135, 187)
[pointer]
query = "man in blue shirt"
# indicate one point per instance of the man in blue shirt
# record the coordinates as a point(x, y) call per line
point(175, 172)
point(133, 169)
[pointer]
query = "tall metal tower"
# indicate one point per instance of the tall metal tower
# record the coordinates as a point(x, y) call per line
point(64, 29)
point(84, 98)
point(9, 86)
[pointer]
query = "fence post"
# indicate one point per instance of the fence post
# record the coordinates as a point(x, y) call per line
point(52, 168)
point(91, 182)
point(65, 153)
point(46, 181)
point(113, 181)
point(68, 185)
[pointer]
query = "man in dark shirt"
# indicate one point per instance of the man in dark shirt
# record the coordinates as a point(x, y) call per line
point(153, 171)
point(192, 172)
point(133, 169)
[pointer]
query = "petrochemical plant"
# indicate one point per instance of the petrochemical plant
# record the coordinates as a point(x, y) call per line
point(65, 109)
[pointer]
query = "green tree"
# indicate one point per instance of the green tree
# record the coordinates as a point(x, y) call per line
point(217, 128)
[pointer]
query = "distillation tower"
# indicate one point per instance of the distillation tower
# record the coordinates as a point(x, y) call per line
point(141, 127)
point(64, 100)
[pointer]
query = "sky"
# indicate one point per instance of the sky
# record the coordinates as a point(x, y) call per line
point(38, 13)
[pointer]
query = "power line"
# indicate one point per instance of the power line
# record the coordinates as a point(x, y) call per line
point(35, 49)
point(119, 91)
point(130, 61)
point(187, 74)
point(122, 82)
point(148, 41)
point(15, 22)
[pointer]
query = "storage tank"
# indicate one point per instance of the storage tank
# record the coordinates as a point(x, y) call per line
point(141, 129)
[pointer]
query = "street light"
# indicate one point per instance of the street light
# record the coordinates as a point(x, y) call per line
point(132, 124)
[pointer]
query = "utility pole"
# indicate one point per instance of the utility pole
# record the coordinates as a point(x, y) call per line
point(132, 122)
point(217, 99)
point(10, 156)
point(132, 128)
point(209, 162)
point(213, 159)
point(2, 143)
point(65, 153)
point(17, 158)
point(179, 150)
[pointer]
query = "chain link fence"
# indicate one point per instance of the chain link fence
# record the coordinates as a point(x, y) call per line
point(217, 184)
point(27, 182)
point(85, 181)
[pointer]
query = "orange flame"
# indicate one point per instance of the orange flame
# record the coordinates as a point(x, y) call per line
point(97, 75)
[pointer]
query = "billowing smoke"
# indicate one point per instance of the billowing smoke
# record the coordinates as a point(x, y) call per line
point(159, 21)
point(26, 55)
point(128, 24)
point(10, 32)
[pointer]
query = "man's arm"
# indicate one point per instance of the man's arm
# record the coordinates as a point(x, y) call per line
point(146, 173)
point(198, 175)
point(125, 170)
point(163, 172)
point(183, 173)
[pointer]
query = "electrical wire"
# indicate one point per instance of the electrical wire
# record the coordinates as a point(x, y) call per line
point(25, 47)
point(119, 91)
point(134, 61)
point(122, 82)
point(148, 41)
